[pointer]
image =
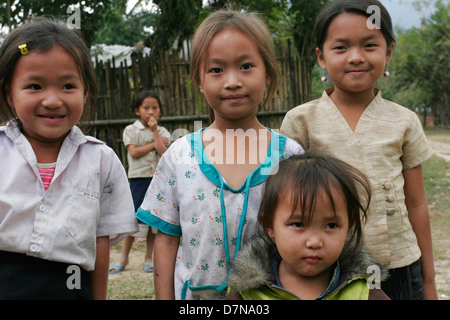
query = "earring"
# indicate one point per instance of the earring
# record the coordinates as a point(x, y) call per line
point(324, 76)
point(386, 74)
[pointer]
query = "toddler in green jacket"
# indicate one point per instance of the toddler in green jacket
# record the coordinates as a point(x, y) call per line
point(313, 213)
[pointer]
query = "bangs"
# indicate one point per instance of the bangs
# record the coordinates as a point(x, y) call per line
point(308, 188)
point(308, 179)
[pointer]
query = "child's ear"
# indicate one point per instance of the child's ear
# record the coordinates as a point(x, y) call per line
point(270, 233)
point(9, 98)
point(321, 59)
point(85, 96)
point(390, 52)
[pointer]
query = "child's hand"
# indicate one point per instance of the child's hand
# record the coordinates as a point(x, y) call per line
point(152, 123)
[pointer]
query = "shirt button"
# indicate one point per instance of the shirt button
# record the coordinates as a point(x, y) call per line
point(390, 211)
point(42, 207)
point(390, 198)
point(34, 248)
point(387, 185)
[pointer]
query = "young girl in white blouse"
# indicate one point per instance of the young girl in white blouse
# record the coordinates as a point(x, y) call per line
point(207, 188)
point(382, 139)
point(64, 196)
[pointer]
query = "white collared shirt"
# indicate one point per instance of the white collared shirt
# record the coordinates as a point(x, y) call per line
point(89, 197)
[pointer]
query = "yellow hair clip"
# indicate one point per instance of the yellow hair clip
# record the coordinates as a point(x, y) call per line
point(23, 49)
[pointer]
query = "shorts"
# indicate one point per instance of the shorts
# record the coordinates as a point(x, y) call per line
point(405, 283)
point(24, 277)
point(139, 187)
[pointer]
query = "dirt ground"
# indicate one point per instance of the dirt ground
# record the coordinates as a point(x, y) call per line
point(440, 142)
point(441, 145)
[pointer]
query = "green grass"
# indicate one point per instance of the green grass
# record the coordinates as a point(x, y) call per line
point(436, 176)
point(133, 283)
point(131, 288)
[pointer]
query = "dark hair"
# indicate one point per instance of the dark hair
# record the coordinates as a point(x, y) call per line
point(42, 35)
point(308, 175)
point(335, 8)
point(145, 94)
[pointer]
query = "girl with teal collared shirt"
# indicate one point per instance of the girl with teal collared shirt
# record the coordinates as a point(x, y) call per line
point(207, 188)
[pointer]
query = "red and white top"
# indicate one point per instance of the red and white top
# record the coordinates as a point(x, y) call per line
point(46, 170)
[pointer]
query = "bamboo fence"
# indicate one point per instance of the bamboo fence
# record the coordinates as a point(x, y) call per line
point(168, 75)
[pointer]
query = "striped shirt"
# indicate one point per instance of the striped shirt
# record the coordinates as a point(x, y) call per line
point(46, 170)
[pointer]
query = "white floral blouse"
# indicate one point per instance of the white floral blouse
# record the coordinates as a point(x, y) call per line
point(189, 198)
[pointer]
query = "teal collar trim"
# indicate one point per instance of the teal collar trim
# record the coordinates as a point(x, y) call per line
point(259, 175)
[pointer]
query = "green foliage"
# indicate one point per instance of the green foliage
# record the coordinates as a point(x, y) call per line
point(92, 13)
point(125, 30)
point(303, 15)
point(176, 22)
point(420, 66)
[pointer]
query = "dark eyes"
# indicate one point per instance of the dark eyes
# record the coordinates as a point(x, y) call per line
point(330, 225)
point(38, 87)
point(146, 108)
point(245, 66)
point(34, 87)
point(215, 70)
point(298, 224)
point(341, 48)
point(68, 86)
